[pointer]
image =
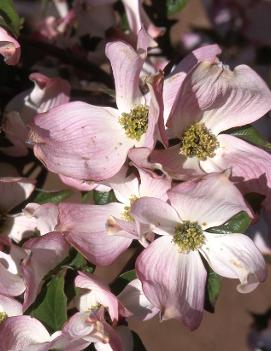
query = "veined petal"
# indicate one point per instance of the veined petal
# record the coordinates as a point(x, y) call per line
point(121, 227)
point(124, 186)
point(47, 93)
point(10, 306)
point(238, 97)
point(98, 247)
point(153, 187)
point(172, 281)
point(11, 284)
point(79, 217)
point(46, 252)
point(203, 200)
point(159, 214)
point(156, 128)
point(80, 141)
point(82, 329)
point(144, 41)
point(46, 216)
point(102, 294)
point(23, 333)
point(173, 83)
point(90, 237)
point(14, 191)
point(140, 158)
point(134, 299)
point(175, 164)
point(9, 48)
point(220, 98)
point(137, 17)
point(250, 166)
point(235, 256)
point(132, 10)
point(204, 53)
point(18, 227)
point(79, 184)
point(126, 65)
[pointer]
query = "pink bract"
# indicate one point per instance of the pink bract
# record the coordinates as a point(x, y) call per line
point(173, 278)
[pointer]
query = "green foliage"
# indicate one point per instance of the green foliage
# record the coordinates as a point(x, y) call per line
point(103, 197)
point(250, 134)
point(212, 290)
point(120, 282)
point(52, 310)
point(138, 345)
point(86, 196)
point(174, 6)
point(237, 224)
point(78, 262)
point(54, 197)
point(9, 18)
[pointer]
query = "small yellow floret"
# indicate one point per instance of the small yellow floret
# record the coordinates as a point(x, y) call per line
point(135, 123)
point(188, 236)
point(126, 215)
point(198, 141)
point(3, 316)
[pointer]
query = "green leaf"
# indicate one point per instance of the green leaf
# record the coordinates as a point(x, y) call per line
point(86, 196)
point(237, 224)
point(52, 311)
point(120, 282)
point(250, 134)
point(174, 6)
point(103, 197)
point(54, 197)
point(212, 290)
point(138, 344)
point(9, 18)
point(78, 262)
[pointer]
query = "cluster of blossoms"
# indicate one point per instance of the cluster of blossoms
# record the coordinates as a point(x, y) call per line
point(169, 154)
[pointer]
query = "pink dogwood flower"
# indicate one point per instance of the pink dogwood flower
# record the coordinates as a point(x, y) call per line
point(88, 142)
point(89, 324)
point(97, 293)
point(171, 270)
point(47, 93)
point(213, 99)
point(102, 233)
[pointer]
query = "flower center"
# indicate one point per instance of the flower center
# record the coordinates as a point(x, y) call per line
point(135, 123)
point(188, 236)
point(3, 317)
point(198, 141)
point(126, 214)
